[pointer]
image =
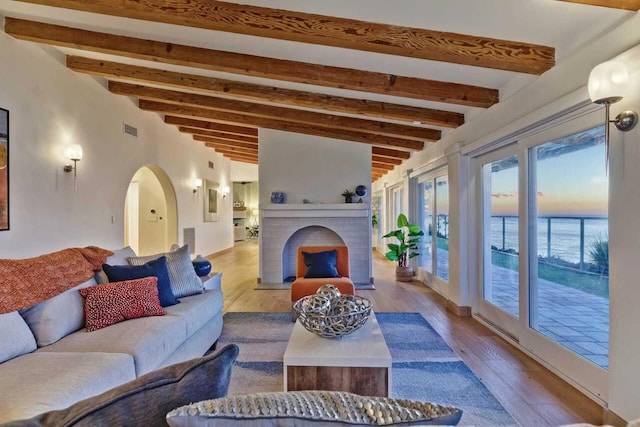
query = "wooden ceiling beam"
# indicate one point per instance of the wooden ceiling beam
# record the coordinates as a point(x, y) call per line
point(241, 159)
point(224, 143)
point(387, 160)
point(307, 129)
point(379, 171)
point(327, 30)
point(232, 151)
point(614, 4)
point(212, 85)
point(279, 69)
point(382, 166)
point(238, 139)
point(387, 152)
point(270, 111)
point(212, 126)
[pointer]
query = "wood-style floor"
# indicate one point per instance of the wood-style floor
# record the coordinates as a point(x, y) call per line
point(533, 395)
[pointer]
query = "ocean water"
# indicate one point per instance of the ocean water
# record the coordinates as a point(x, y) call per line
point(565, 235)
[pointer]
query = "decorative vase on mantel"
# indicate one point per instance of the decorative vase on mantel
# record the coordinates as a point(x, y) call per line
point(404, 274)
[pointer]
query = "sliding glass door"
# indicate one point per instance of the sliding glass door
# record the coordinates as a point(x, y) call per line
point(568, 303)
point(499, 293)
point(543, 254)
point(433, 218)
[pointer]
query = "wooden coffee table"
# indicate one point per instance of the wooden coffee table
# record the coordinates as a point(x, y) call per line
point(359, 362)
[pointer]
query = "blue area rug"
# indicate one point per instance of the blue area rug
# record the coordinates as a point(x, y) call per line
point(424, 367)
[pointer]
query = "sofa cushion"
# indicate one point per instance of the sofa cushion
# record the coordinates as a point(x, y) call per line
point(46, 381)
point(56, 317)
point(15, 336)
point(156, 267)
point(150, 340)
point(111, 303)
point(147, 400)
point(119, 257)
point(320, 264)
point(184, 280)
point(311, 408)
point(197, 310)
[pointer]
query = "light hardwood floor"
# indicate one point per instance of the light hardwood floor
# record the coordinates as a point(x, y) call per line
point(531, 393)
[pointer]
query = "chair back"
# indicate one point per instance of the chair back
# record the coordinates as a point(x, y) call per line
point(342, 259)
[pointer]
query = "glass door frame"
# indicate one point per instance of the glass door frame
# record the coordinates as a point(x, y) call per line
point(577, 369)
point(424, 275)
point(503, 320)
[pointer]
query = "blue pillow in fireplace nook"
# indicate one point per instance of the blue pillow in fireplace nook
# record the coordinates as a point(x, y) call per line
point(320, 264)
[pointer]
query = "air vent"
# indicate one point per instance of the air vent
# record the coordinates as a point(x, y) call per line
point(210, 164)
point(189, 238)
point(130, 130)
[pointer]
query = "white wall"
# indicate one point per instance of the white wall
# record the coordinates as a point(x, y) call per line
point(51, 106)
point(241, 171)
point(311, 167)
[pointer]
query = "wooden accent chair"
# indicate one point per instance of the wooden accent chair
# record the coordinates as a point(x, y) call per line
point(303, 286)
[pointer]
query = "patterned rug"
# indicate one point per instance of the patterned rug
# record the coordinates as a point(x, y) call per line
point(424, 367)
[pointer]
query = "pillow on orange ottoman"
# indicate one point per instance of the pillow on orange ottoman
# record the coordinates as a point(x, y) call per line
point(115, 302)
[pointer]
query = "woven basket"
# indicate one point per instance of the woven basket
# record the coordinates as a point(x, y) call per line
point(347, 314)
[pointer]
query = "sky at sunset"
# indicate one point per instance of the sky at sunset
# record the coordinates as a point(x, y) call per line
point(573, 184)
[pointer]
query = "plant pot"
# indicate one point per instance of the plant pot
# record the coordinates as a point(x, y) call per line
point(348, 199)
point(404, 274)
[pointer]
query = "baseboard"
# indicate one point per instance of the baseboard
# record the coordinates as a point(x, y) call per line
point(460, 311)
point(611, 418)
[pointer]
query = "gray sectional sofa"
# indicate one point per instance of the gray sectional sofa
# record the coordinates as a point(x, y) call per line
point(50, 361)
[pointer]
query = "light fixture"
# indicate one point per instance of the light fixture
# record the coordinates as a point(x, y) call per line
point(225, 190)
point(607, 85)
point(197, 183)
point(73, 152)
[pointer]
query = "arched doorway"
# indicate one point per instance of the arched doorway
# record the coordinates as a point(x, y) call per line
point(150, 212)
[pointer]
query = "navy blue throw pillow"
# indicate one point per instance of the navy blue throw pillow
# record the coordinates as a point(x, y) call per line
point(157, 268)
point(320, 264)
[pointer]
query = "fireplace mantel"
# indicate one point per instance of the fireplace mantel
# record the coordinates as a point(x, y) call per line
point(310, 210)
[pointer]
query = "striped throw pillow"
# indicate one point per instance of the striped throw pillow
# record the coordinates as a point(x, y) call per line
point(182, 276)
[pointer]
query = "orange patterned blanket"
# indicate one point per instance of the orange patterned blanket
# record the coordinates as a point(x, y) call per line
point(26, 282)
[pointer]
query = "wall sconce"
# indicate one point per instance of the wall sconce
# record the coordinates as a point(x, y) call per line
point(197, 183)
point(225, 190)
point(607, 85)
point(73, 152)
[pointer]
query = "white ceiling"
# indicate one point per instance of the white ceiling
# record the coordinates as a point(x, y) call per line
point(564, 26)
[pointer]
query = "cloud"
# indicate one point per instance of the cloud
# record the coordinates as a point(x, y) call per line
point(500, 195)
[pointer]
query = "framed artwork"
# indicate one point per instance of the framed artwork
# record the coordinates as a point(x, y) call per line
point(210, 201)
point(4, 169)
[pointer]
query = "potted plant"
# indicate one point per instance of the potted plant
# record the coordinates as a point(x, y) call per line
point(408, 236)
point(348, 196)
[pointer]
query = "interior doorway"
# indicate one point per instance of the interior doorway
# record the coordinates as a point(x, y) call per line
point(150, 212)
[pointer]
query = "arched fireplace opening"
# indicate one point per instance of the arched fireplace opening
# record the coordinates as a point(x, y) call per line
point(313, 235)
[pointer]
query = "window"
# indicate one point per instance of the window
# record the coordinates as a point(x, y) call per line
point(433, 217)
point(569, 280)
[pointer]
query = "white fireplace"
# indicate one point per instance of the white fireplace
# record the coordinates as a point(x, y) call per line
point(284, 227)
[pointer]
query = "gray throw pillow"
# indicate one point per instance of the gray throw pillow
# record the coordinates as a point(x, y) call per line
point(57, 317)
point(313, 409)
point(15, 336)
point(183, 278)
point(147, 400)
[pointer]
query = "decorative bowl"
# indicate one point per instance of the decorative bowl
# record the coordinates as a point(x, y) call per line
point(346, 315)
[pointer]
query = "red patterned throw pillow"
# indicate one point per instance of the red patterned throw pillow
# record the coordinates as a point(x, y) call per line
point(115, 302)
